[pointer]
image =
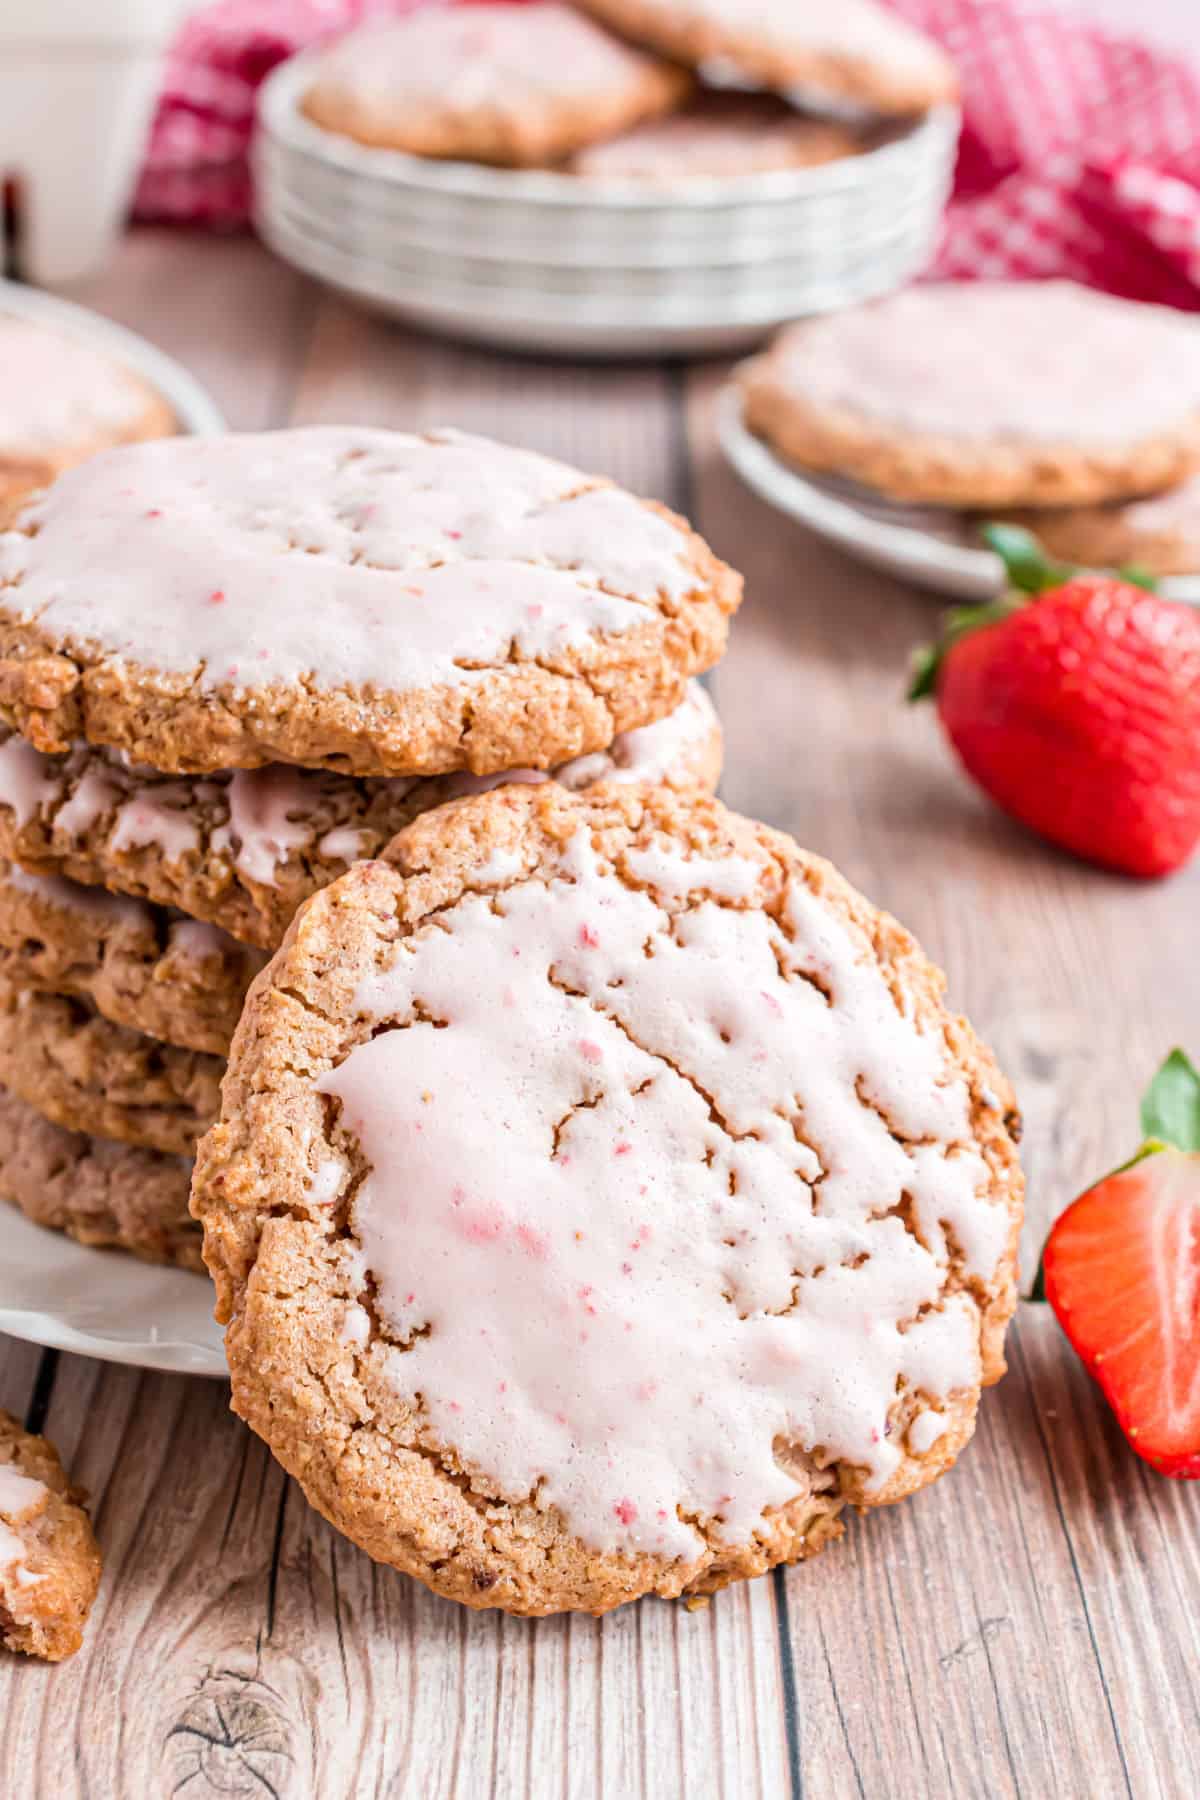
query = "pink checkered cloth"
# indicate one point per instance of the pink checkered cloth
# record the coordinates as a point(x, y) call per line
point(1080, 154)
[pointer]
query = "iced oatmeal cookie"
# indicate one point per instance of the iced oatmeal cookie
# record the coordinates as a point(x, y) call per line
point(603, 1199)
point(723, 135)
point(242, 849)
point(850, 50)
point(369, 601)
point(986, 394)
point(60, 402)
point(103, 1194)
point(49, 1558)
point(489, 84)
point(81, 1071)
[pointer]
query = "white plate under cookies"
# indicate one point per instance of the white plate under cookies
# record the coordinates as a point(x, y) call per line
point(541, 260)
point(933, 547)
point(104, 1303)
point(52, 1291)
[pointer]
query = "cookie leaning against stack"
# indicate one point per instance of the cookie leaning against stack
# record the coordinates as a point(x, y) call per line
point(603, 1199)
point(403, 619)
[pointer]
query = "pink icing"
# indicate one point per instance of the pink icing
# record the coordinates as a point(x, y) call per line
point(18, 1495)
point(477, 57)
point(55, 391)
point(25, 784)
point(261, 805)
point(663, 1277)
point(344, 556)
point(94, 795)
point(157, 817)
point(984, 360)
point(721, 135)
point(195, 938)
point(850, 28)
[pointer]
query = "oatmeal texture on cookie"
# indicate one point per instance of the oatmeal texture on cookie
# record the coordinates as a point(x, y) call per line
point(242, 849)
point(850, 50)
point(602, 1199)
point(49, 1558)
point(61, 401)
point(370, 601)
point(488, 84)
point(141, 966)
point(103, 1194)
point(982, 394)
point(60, 1055)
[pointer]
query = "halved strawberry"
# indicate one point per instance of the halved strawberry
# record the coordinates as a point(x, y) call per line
point(1121, 1269)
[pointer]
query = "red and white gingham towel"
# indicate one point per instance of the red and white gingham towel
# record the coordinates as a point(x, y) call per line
point(1080, 152)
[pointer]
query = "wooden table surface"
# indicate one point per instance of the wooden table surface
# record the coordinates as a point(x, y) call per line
point(1029, 1626)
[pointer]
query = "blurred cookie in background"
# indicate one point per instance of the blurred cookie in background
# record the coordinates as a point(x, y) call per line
point(719, 134)
point(60, 402)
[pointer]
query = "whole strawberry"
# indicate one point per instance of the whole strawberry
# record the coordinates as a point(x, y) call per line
point(1076, 706)
point(1121, 1269)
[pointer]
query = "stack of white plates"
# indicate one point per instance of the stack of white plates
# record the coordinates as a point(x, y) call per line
point(538, 260)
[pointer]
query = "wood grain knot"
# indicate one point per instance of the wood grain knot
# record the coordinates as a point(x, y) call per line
point(230, 1738)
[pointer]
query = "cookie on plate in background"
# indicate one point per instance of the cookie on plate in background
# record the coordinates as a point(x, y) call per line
point(986, 394)
point(719, 135)
point(843, 50)
point(603, 1200)
point(61, 400)
point(494, 84)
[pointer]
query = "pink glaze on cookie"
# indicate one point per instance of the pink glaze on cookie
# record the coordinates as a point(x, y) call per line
point(55, 391)
point(636, 1176)
point(19, 1495)
point(344, 558)
point(25, 780)
point(989, 361)
point(471, 59)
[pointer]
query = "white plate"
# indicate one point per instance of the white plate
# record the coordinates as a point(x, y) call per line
point(930, 546)
point(53, 1291)
point(193, 407)
point(103, 1303)
point(506, 312)
point(539, 214)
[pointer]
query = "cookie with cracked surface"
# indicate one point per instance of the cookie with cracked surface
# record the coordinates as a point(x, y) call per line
point(109, 1196)
point(60, 401)
point(371, 601)
point(719, 135)
point(603, 1198)
point(49, 1557)
point(143, 967)
point(243, 849)
point(853, 51)
point(986, 394)
point(1160, 534)
point(488, 84)
point(82, 1072)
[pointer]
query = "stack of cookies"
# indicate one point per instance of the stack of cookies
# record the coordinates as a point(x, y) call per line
point(232, 668)
point(623, 93)
point(599, 1197)
point(1068, 411)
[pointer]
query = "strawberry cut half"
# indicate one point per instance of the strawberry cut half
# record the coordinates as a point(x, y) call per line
point(1121, 1269)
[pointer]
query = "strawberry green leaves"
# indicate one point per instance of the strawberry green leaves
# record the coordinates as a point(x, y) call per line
point(1171, 1105)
